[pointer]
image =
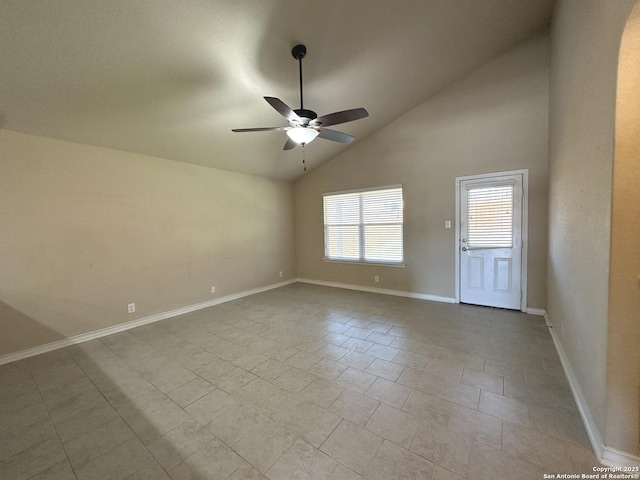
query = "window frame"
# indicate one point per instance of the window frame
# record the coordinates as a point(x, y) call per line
point(361, 226)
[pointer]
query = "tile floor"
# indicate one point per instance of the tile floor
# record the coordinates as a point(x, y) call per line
point(302, 382)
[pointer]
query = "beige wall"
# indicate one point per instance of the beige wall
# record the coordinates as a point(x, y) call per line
point(584, 60)
point(84, 231)
point(623, 365)
point(493, 120)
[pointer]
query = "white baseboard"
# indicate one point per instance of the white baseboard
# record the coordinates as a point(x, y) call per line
point(589, 422)
point(400, 293)
point(383, 291)
point(615, 458)
point(121, 327)
point(606, 455)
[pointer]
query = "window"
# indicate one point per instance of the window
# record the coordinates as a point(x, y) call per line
point(490, 217)
point(364, 225)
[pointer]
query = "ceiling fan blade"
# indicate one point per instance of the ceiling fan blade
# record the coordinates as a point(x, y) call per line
point(289, 144)
point(335, 136)
point(283, 109)
point(260, 129)
point(340, 117)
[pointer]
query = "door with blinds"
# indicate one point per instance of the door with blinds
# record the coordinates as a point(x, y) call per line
point(490, 243)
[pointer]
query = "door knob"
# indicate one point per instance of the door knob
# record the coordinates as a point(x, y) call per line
point(464, 249)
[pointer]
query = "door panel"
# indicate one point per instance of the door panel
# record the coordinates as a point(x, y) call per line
point(503, 275)
point(490, 246)
point(475, 272)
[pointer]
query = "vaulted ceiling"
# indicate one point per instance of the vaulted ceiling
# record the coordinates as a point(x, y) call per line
point(171, 79)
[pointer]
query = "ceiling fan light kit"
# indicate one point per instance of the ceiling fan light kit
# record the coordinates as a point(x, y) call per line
point(302, 135)
point(305, 125)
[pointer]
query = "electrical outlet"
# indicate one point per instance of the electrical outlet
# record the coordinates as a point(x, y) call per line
point(213, 289)
point(280, 273)
point(131, 308)
point(376, 278)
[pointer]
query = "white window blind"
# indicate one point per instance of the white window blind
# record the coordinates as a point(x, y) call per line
point(490, 217)
point(364, 226)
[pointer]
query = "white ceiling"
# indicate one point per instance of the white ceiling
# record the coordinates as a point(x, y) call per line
point(172, 78)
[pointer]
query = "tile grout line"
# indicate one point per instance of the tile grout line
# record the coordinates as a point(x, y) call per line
point(66, 454)
point(117, 413)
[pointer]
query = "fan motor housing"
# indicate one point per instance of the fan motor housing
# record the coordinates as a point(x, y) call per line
point(306, 114)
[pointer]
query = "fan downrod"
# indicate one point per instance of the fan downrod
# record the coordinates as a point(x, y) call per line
point(299, 52)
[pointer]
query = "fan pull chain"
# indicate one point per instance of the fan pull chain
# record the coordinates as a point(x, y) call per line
point(304, 160)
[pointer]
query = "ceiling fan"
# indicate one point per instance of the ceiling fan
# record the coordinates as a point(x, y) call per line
point(305, 125)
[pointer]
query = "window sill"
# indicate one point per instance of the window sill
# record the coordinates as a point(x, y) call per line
point(357, 262)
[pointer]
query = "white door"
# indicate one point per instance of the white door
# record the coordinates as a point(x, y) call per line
point(490, 241)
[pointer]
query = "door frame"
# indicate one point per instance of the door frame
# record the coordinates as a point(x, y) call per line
point(525, 229)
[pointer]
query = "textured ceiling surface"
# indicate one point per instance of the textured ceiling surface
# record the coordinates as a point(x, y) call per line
point(171, 79)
